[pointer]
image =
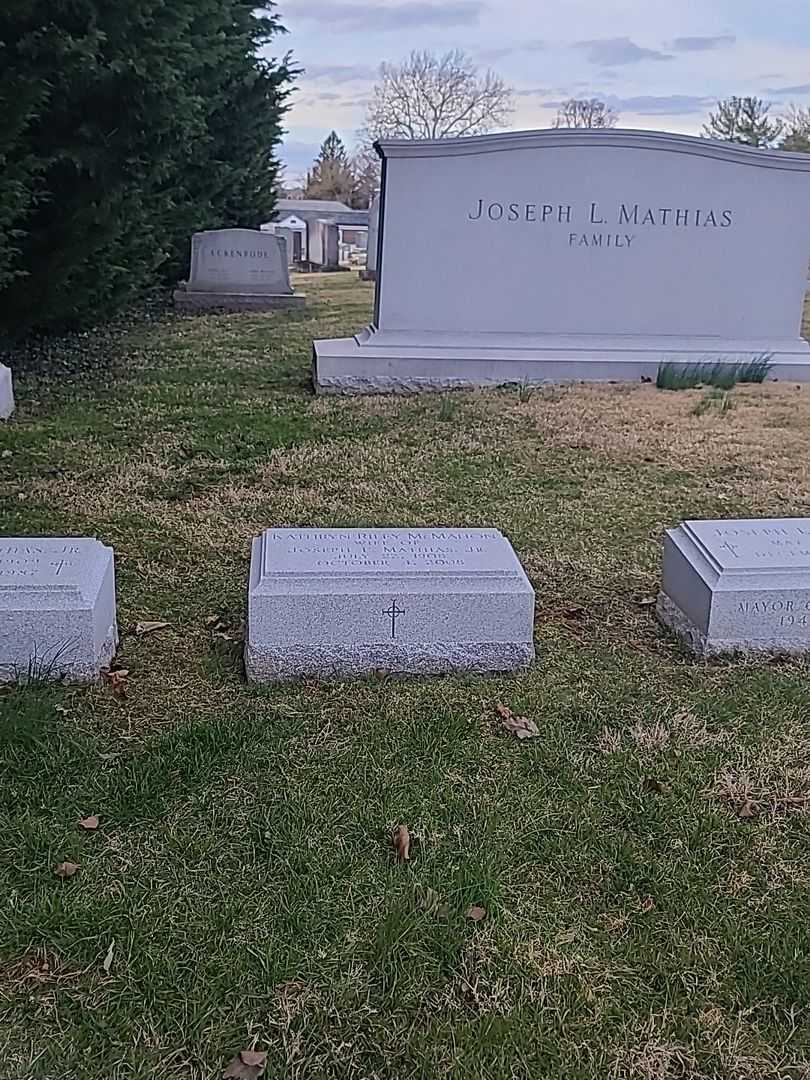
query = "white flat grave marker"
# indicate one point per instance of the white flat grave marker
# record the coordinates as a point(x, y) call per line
point(57, 608)
point(6, 393)
point(738, 586)
point(334, 602)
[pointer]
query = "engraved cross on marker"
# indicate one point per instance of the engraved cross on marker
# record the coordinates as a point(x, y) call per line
point(393, 614)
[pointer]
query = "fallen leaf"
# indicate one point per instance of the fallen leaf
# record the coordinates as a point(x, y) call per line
point(657, 787)
point(476, 913)
point(108, 958)
point(748, 809)
point(256, 1059)
point(648, 904)
point(575, 612)
point(65, 869)
point(646, 601)
point(6, 454)
point(247, 1065)
point(117, 681)
point(402, 843)
point(520, 726)
point(217, 624)
point(143, 628)
point(90, 824)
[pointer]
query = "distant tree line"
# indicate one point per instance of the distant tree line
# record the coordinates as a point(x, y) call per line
point(126, 125)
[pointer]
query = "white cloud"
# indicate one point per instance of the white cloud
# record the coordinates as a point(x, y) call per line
point(701, 44)
point(370, 16)
point(340, 73)
point(615, 52)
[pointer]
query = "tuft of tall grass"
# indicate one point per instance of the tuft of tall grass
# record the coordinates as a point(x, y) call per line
point(720, 373)
point(447, 408)
point(715, 400)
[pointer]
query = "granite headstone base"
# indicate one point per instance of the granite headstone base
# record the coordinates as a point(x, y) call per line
point(193, 301)
point(391, 361)
point(738, 586)
point(6, 393)
point(350, 602)
point(57, 608)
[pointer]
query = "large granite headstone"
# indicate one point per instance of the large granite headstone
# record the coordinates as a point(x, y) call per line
point(6, 393)
point(237, 270)
point(57, 608)
point(738, 586)
point(576, 255)
point(335, 602)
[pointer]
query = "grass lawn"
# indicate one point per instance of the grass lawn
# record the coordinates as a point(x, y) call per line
point(644, 863)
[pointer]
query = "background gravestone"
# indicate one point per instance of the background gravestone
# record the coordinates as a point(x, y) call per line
point(57, 608)
point(237, 270)
point(334, 602)
point(370, 272)
point(738, 586)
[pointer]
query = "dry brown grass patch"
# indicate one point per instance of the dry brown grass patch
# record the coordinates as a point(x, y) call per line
point(765, 434)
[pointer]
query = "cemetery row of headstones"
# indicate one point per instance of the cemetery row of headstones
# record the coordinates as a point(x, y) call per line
point(327, 603)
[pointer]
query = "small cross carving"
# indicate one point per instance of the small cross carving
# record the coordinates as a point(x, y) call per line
point(393, 614)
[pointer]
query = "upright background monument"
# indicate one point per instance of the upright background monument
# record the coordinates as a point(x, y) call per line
point(237, 270)
point(573, 255)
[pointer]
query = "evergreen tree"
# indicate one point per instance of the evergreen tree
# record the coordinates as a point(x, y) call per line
point(796, 130)
point(743, 120)
point(333, 149)
point(331, 175)
point(133, 123)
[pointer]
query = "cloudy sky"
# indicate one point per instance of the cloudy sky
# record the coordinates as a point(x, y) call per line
point(660, 63)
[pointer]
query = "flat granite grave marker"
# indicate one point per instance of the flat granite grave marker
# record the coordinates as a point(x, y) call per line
point(6, 393)
point(237, 270)
point(57, 608)
point(738, 586)
point(335, 602)
point(688, 251)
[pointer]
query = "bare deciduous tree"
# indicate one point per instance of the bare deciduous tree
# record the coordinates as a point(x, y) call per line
point(586, 113)
point(366, 169)
point(436, 97)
